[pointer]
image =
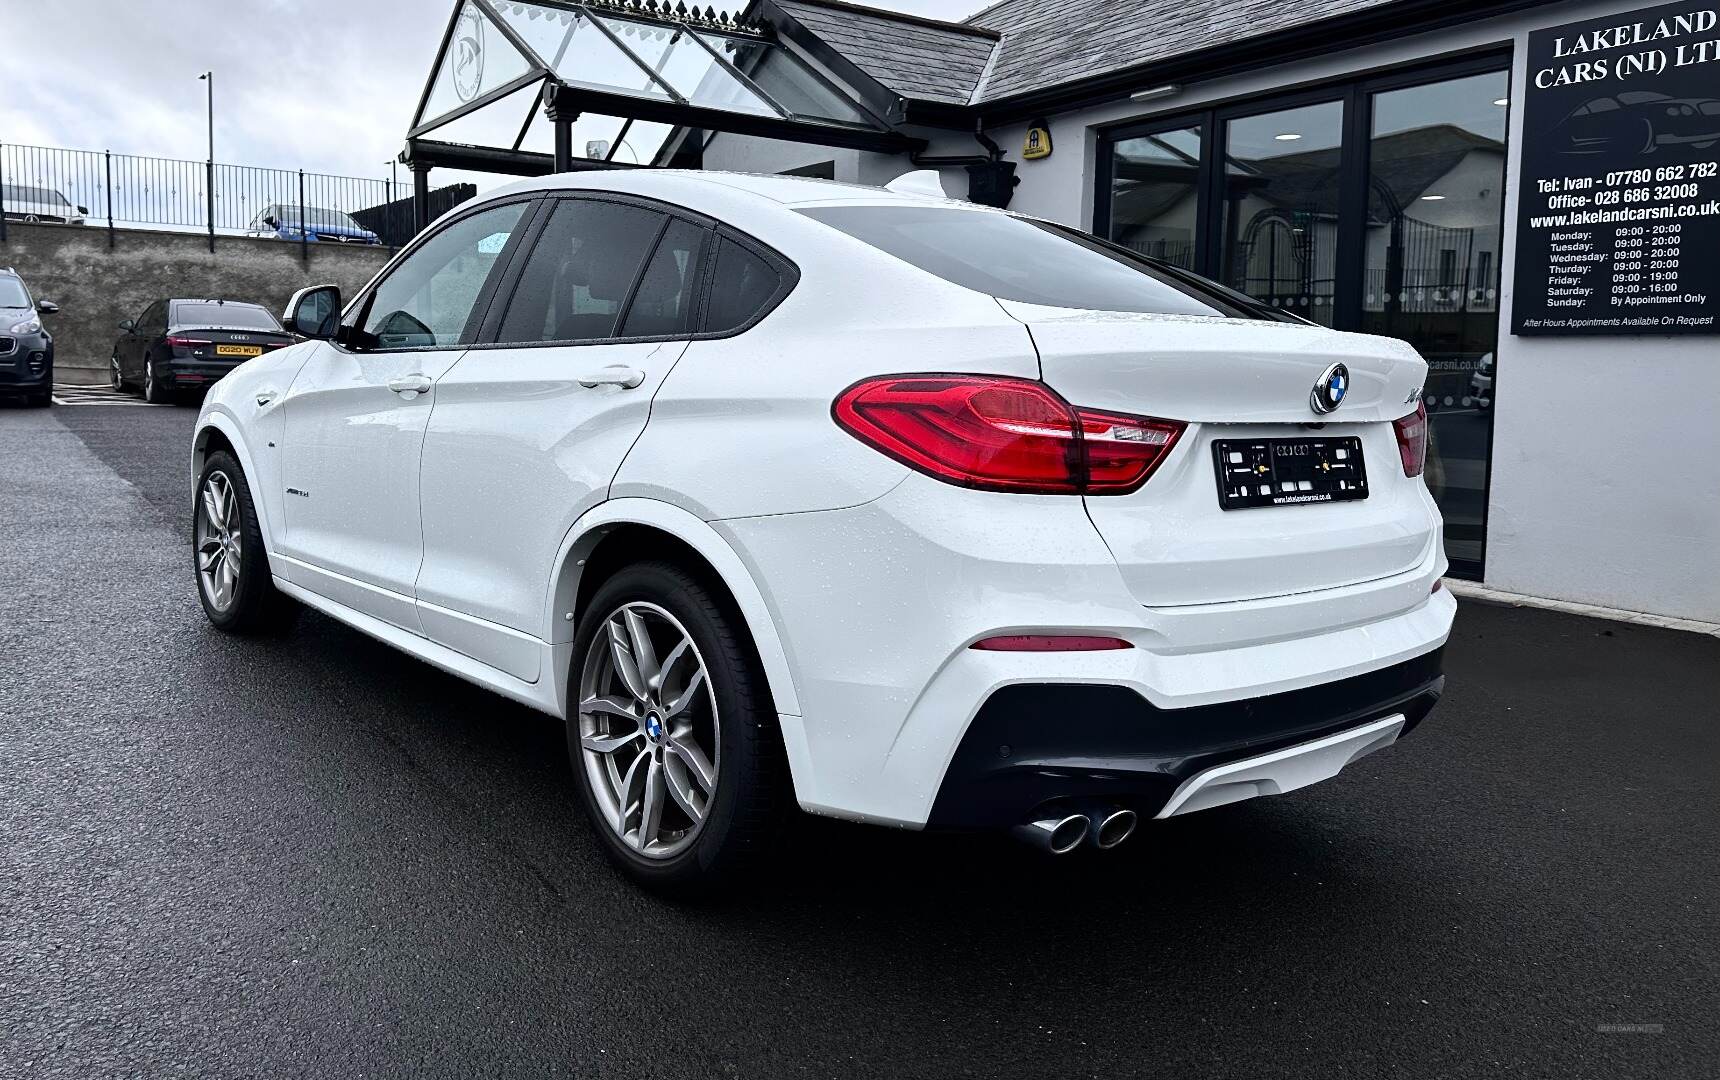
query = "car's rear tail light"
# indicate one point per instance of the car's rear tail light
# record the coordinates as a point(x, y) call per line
point(1003, 434)
point(1049, 643)
point(1412, 439)
point(186, 342)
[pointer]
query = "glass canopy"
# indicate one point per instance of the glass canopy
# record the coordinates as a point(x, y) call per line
point(630, 73)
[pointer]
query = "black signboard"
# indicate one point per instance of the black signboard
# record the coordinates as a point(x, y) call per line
point(1618, 218)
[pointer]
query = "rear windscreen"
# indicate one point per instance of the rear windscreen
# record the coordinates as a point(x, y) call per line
point(242, 316)
point(1035, 262)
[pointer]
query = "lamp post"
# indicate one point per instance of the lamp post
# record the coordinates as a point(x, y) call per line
point(209, 166)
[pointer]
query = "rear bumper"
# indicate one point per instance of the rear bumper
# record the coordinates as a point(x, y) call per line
point(195, 372)
point(879, 603)
point(1031, 745)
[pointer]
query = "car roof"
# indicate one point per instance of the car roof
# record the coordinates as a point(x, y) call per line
point(674, 185)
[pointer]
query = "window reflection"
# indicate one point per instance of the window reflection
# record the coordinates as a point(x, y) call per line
point(1436, 177)
point(1281, 183)
point(1155, 194)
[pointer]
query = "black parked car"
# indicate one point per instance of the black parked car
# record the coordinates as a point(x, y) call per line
point(26, 348)
point(186, 344)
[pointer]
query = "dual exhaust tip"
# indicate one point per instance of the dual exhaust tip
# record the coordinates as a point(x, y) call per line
point(1103, 826)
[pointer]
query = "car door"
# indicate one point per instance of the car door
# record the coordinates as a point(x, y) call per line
point(356, 411)
point(133, 344)
point(530, 427)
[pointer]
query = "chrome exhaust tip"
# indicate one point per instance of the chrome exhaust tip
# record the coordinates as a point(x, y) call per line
point(1057, 835)
point(1112, 826)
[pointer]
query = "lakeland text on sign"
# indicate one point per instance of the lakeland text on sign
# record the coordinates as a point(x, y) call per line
point(1618, 219)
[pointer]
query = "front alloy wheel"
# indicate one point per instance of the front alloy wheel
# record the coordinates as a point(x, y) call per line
point(232, 566)
point(648, 730)
point(219, 550)
point(114, 376)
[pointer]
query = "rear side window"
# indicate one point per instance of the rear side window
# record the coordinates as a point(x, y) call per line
point(223, 316)
point(1016, 258)
point(742, 285)
point(663, 304)
point(581, 271)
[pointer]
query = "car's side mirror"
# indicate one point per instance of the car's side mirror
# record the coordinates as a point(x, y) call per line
point(128, 325)
point(83, 210)
point(271, 222)
point(314, 312)
point(47, 307)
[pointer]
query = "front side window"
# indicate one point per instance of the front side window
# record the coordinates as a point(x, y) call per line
point(429, 299)
point(581, 272)
point(1034, 262)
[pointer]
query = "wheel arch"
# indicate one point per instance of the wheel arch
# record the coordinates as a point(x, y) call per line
point(218, 431)
point(633, 526)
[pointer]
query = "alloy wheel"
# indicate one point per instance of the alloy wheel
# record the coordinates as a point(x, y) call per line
point(114, 375)
point(219, 554)
point(149, 380)
point(649, 730)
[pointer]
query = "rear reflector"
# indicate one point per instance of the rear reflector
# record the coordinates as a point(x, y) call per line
point(998, 433)
point(1049, 643)
point(1412, 439)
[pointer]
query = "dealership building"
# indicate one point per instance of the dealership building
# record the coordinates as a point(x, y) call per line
point(1526, 192)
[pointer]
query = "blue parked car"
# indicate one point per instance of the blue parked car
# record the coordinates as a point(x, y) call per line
point(318, 225)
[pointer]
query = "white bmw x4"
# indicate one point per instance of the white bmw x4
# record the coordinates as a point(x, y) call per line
point(896, 508)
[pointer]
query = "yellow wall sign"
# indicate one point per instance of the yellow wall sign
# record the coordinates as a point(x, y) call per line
point(1038, 142)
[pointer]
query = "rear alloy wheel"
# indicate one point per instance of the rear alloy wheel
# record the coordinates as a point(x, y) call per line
point(673, 738)
point(233, 578)
point(153, 391)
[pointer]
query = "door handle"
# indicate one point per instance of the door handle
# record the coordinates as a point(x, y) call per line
point(410, 384)
point(614, 375)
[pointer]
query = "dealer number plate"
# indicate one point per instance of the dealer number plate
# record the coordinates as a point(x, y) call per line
point(1285, 472)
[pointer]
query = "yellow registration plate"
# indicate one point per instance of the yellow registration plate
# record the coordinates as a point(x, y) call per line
point(238, 350)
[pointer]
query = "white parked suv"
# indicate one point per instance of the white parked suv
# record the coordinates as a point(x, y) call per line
point(900, 509)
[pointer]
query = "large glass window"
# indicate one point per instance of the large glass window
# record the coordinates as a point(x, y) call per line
point(1281, 173)
point(1155, 195)
point(1436, 180)
point(429, 299)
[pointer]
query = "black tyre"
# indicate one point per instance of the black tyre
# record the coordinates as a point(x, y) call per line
point(40, 399)
point(672, 733)
point(153, 391)
point(229, 561)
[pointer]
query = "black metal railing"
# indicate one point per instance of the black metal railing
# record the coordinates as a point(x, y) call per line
point(101, 189)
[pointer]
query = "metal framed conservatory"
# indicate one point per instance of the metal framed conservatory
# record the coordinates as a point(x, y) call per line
point(529, 87)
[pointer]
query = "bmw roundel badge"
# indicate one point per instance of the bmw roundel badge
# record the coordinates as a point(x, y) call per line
point(1329, 392)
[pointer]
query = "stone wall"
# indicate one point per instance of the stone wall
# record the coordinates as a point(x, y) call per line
point(97, 287)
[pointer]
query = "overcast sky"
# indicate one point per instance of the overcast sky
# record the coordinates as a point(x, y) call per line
point(323, 85)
